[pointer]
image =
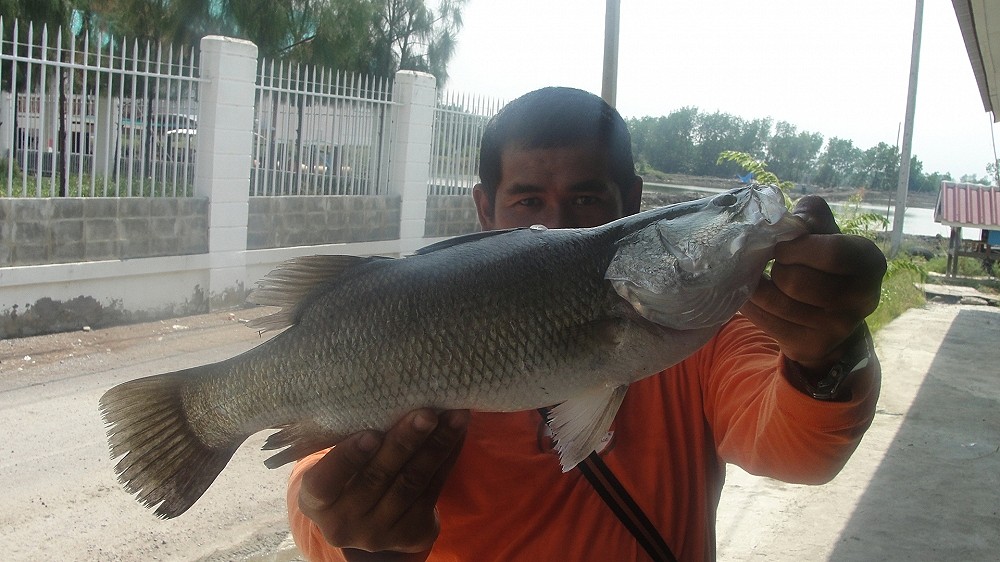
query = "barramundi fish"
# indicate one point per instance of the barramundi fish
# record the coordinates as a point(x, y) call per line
point(494, 321)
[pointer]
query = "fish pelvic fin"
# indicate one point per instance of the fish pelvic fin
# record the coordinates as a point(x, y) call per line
point(298, 440)
point(288, 285)
point(163, 461)
point(580, 424)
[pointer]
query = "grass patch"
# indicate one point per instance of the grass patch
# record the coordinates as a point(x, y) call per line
point(967, 267)
point(900, 292)
point(170, 182)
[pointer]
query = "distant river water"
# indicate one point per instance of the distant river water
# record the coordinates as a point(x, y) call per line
point(916, 221)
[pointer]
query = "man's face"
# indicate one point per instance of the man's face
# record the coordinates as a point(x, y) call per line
point(564, 187)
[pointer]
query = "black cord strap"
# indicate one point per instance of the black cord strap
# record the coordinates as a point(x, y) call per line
point(597, 472)
point(622, 504)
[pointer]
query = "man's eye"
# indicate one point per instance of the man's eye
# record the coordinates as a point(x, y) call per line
point(587, 200)
point(529, 202)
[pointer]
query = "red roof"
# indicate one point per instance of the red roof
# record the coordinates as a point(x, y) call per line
point(968, 204)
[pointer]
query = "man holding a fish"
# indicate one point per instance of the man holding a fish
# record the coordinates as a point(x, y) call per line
point(785, 389)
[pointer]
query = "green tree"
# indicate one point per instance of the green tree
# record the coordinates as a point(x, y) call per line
point(409, 35)
point(839, 163)
point(370, 36)
point(666, 143)
point(792, 154)
point(880, 167)
point(717, 132)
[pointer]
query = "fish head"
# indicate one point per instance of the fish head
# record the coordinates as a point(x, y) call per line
point(695, 268)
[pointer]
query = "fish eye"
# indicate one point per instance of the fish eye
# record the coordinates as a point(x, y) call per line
point(724, 200)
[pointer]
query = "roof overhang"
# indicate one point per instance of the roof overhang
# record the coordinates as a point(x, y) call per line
point(979, 21)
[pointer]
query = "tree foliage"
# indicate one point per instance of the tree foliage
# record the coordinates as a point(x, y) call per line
point(688, 141)
point(370, 36)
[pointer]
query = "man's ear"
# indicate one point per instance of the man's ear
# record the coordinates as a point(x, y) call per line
point(484, 206)
point(632, 199)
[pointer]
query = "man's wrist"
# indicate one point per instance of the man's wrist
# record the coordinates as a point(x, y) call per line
point(831, 384)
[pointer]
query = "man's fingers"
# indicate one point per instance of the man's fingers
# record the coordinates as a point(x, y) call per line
point(424, 474)
point(398, 446)
point(770, 307)
point(817, 215)
point(324, 482)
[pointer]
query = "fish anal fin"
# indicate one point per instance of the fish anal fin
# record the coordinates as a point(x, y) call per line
point(288, 285)
point(580, 424)
point(298, 440)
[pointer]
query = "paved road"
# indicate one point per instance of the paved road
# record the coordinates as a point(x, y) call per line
point(61, 501)
point(922, 486)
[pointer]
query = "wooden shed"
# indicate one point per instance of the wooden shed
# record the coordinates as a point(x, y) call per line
point(973, 206)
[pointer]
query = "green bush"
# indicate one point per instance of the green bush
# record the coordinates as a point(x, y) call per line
point(900, 292)
point(967, 267)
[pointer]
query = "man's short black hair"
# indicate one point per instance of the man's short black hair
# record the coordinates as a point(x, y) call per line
point(557, 117)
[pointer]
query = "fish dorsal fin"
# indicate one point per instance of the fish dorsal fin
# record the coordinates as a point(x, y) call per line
point(462, 239)
point(581, 423)
point(288, 284)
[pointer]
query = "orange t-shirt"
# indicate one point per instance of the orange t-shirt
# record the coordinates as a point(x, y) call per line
point(507, 499)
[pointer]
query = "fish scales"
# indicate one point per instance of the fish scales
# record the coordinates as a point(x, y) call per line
point(422, 338)
point(497, 321)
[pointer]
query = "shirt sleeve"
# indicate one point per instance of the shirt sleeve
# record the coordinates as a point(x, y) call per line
point(307, 535)
point(762, 423)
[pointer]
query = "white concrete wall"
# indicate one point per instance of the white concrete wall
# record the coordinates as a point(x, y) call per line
point(151, 286)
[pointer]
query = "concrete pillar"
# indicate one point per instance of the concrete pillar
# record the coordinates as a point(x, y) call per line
point(409, 165)
point(222, 167)
point(106, 131)
point(6, 125)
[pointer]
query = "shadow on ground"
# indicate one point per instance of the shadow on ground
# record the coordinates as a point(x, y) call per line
point(936, 494)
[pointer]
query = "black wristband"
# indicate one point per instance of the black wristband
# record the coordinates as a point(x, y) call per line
point(857, 357)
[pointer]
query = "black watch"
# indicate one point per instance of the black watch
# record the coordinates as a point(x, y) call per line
point(857, 357)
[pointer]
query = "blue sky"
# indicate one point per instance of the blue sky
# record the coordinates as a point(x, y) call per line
point(835, 68)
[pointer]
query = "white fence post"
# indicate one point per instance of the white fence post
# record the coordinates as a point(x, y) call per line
point(409, 166)
point(222, 168)
point(6, 128)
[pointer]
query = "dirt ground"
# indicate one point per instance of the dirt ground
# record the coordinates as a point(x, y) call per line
point(924, 484)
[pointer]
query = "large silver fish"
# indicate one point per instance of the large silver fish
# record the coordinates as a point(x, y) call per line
point(494, 321)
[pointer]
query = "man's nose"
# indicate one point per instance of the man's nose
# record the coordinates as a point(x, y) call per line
point(560, 216)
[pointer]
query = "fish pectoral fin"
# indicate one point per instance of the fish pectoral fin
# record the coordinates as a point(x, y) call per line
point(296, 441)
point(292, 281)
point(582, 422)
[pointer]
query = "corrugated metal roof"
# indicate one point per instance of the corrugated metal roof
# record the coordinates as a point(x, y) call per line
point(968, 204)
point(979, 21)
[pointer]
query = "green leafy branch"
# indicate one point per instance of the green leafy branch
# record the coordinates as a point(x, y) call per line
point(760, 172)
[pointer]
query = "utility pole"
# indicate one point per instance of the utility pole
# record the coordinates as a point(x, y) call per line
point(609, 84)
point(904, 157)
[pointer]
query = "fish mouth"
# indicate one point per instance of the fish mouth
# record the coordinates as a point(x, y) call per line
point(770, 201)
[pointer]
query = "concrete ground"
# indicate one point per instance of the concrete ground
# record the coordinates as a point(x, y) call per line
point(925, 482)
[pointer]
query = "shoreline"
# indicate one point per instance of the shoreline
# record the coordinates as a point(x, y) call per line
point(832, 195)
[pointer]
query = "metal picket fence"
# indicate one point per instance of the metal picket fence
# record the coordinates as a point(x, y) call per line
point(320, 132)
point(459, 121)
point(85, 116)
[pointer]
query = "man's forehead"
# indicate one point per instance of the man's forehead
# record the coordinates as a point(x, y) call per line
point(525, 145)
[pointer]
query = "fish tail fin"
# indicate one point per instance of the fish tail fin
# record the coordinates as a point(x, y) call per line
point(163, 461)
